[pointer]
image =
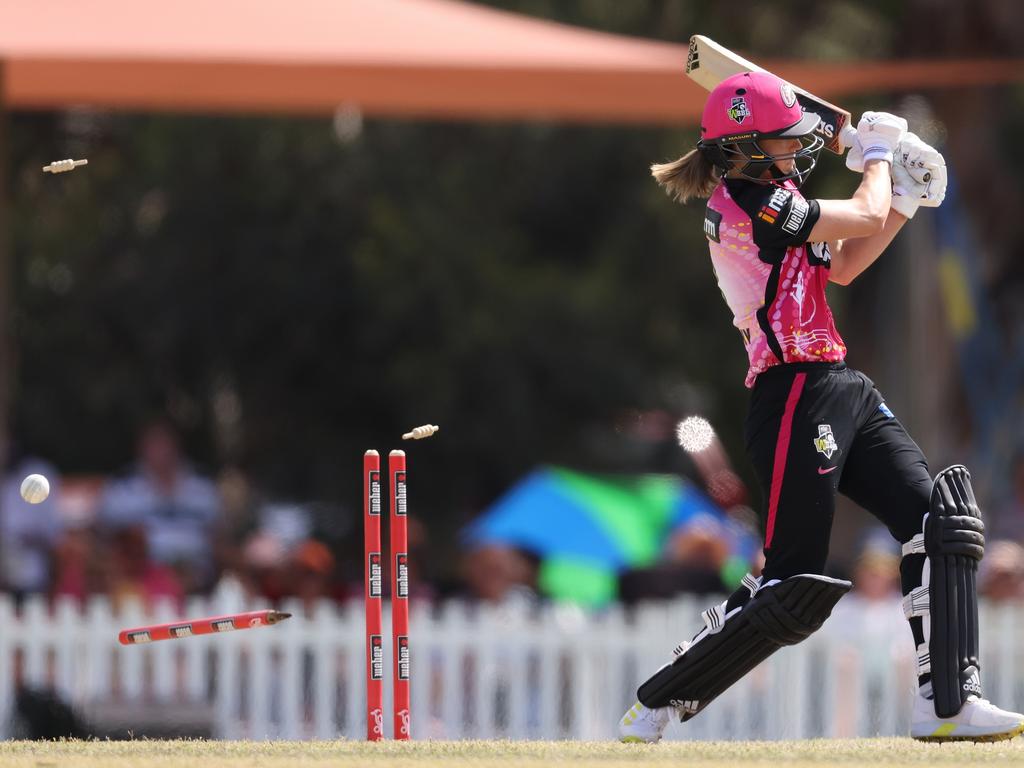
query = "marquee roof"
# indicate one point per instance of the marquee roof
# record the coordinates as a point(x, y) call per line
point(413, 58)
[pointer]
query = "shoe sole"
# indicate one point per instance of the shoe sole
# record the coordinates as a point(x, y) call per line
point(982, 739)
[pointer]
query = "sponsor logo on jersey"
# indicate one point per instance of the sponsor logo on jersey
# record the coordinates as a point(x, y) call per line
point(712, 221)
point(770, 212)
point(825, 442)
point(797, 215)
point(738, 110)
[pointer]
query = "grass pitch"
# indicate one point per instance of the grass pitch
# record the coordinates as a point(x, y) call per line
point(503, 754)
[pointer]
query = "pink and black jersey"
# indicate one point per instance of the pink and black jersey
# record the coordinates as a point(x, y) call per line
point(772, 279)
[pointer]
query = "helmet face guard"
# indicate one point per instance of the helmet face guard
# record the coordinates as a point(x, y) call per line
point(744, 155)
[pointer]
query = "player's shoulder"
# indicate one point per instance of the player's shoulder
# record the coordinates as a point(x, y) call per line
point(775, 209)
point(753, 197)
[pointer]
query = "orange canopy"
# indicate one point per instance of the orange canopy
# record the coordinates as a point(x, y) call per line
point(431, 58)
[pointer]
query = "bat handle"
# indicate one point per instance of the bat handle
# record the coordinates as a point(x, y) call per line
point(847, 136)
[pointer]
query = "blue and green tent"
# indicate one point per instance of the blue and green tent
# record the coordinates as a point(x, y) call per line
point(586, 529)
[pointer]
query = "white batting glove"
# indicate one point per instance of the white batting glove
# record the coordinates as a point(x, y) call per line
point(878, 135)
point(907, 192)
point(935, 191)
point(855, 156)
point(926, 166)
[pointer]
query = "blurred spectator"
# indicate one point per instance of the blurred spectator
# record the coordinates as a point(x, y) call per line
point(701, 544)
point(1010, 520)
point(275, 568)
point(421, 586)
point(706, 553)
point(870, 613)
point(132, 576)
point(312, 566)
point(28, 532)
point(239, 501)
point(76, 564)
point(178, 509)
point(498, 573)
point(711, 550)
point(264, 572)
point(876, 573)
point(1001, 574)
point(290, 523)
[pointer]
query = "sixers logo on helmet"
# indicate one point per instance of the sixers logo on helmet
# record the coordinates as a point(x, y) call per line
point(738, 110)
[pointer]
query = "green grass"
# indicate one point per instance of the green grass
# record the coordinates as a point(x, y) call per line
point(501, 754)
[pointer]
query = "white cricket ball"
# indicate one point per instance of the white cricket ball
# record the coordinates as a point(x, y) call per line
point(695, 434)
point(35, 489)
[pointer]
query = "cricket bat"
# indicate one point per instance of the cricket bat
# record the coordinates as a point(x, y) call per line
point(709, 63)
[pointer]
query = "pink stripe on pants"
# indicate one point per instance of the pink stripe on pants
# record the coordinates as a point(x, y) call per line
point(781, 450)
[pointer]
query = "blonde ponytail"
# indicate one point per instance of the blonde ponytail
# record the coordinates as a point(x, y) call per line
point(692, 175)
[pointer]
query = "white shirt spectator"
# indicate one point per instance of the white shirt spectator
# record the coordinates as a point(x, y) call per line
point(179, 523)
point(177, 508)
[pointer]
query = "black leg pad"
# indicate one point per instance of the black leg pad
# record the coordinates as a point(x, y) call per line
point(954, 540)
point(779, 614)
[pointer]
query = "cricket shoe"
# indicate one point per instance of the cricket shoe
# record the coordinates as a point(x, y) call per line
point(978, 720)
point(641, 725)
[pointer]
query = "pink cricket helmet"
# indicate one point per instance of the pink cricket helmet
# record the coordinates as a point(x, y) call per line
point(754, 103)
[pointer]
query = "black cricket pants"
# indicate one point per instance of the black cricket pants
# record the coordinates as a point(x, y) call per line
point(815, 429)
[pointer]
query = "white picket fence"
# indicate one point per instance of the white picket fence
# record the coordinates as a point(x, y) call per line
point(477, 671)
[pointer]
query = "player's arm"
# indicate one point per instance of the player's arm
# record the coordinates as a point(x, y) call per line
point(851, 256)
point(862, 215)
point(918, 178)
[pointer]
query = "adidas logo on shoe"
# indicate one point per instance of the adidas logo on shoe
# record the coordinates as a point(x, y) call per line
point(973, 684)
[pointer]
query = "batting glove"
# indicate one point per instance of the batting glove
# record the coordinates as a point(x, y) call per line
point(907, 192)
point(878, 135)
point(926, 166)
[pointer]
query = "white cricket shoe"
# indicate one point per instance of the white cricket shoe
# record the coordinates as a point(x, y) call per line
point(643, 725)
point(978, 720)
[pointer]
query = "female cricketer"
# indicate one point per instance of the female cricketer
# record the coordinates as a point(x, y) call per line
point(816, 427)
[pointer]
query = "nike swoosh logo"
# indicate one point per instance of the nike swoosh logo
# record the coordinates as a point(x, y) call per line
point(826, 471)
